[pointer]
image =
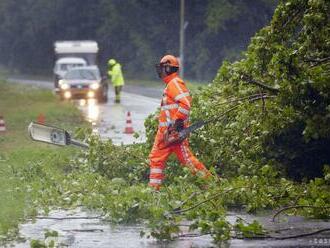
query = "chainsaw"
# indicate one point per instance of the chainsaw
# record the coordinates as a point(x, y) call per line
point(52, 135)
point(171, 136)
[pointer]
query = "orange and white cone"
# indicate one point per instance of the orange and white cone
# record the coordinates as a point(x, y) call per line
point(2, 125)
point(41, 119)
point(129, 127)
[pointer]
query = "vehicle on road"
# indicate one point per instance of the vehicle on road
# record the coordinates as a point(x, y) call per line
point(62, 65)
point(84, 82)
point(70, 54)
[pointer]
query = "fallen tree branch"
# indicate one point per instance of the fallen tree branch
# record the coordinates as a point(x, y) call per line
point(318, 60)
point(297, 206)
point(70, 218)
point(188, 199)
point(230, 100)
point(302, 234)
point(214, 196)
point(223, 114)
point(191, 235)
point(250, 80)
point(84, 230)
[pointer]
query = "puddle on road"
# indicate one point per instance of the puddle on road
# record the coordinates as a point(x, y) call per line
point(96, 233)
point(83, 232)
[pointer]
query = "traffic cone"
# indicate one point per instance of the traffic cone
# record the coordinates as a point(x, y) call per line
point(41, 119)
point(128, 128)
point(2, 125)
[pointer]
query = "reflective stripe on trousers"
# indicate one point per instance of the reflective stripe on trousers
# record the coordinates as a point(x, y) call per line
point(158, 157)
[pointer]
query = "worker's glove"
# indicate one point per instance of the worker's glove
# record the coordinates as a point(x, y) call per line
point(178, 125)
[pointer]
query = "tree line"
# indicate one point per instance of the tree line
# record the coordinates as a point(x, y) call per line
point(135, 32)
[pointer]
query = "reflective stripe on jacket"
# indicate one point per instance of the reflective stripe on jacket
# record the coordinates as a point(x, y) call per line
point(116, 75)
point(176, 102)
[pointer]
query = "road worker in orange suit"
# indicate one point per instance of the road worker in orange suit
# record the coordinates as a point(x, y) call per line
point(174, 115)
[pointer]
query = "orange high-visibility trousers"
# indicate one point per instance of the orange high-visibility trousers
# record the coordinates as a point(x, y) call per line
point(159, 155)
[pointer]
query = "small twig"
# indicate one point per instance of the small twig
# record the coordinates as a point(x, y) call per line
point(302, 234)
point(321, 60)
point(84, 230)
point(297, 206)
point(223, 114)
point(263, 100)
point(188, 199)
point(262, 85)
point(292, 17)
point(214, 196)
point(192, 235)
point(70, 218)
point(198, 204)
point(228, 101)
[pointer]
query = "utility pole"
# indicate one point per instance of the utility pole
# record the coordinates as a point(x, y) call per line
point(182, 28)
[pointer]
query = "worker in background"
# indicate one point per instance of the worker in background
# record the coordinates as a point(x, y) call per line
point(116, 76)
point(174, 115)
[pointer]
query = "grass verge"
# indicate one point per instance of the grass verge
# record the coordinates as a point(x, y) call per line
point(20, 156)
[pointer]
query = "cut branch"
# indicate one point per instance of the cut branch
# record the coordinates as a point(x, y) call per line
point(260, 84)
point(212, 197)
point(318, 60)
point(233, 100)
point(295, 207)
point(70, 218)
point(302, 234)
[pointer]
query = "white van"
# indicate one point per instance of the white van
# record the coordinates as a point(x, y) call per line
point(71, 54)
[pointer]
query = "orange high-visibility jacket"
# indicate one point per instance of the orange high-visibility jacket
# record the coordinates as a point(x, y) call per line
point(176, 102)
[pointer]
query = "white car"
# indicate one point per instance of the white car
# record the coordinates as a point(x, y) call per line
point(84, 83)
point(62, 65)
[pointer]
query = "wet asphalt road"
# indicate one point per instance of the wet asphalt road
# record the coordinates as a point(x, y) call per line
point(109, 120)
point(86, 233)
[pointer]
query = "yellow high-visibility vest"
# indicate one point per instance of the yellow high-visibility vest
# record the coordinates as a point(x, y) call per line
point(116, 75)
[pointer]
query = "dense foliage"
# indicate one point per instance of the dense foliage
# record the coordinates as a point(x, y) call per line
point(271, 113)
point(137, 33)
point(287, 63)
point(93, 179)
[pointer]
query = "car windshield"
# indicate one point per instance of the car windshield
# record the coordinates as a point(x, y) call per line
point(65, 67)
point(89, 74)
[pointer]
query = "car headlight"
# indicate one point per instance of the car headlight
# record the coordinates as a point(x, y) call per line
point(64, 86)
point(94, 86)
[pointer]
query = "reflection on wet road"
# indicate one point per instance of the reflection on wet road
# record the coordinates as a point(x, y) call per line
point(109, 120)
point(82, 228)
point(92, 113)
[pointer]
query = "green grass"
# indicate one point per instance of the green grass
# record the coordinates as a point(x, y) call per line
point(20, 157)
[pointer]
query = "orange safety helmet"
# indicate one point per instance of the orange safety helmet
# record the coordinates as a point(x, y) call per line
point(170, 60)
point(167, 65)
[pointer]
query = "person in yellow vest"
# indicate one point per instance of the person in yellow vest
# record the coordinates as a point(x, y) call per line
point(116, 76)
